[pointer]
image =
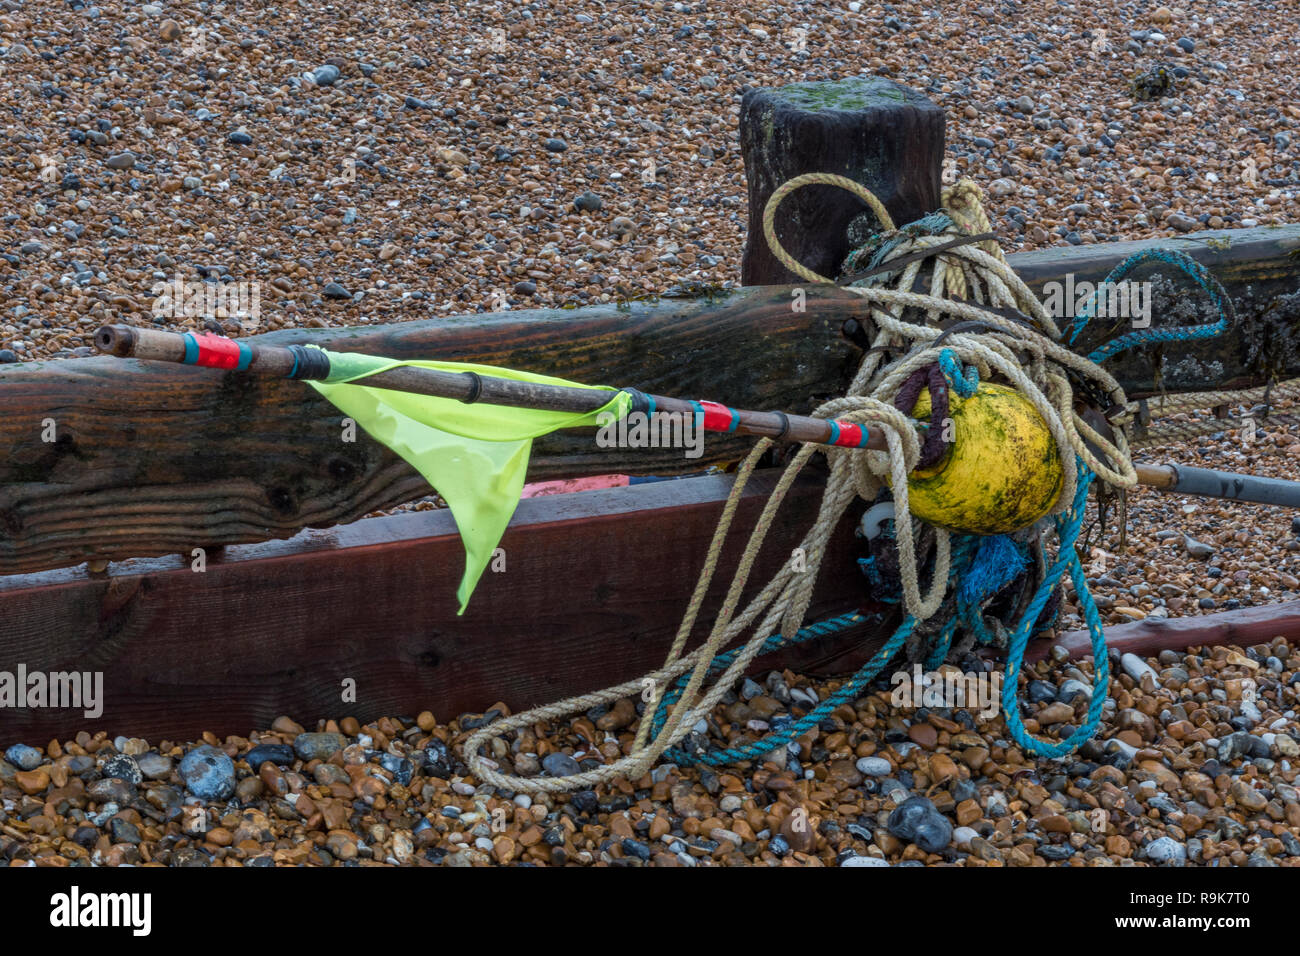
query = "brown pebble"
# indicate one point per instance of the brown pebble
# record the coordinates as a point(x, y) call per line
point(968, 811)
point(1117, 845)
point(285, 725)
point(797, 828)
point(504, 849)
point(942, 768)
point(1247, 796)
point(1057, 713)
point(923, 735)
point(32, 782)
point(619, 716)
point(1056, 823)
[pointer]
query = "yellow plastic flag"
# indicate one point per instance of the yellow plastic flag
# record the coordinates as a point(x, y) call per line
point(475, 455)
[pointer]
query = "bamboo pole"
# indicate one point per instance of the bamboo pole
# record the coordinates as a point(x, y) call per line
point(127, 341)
point(294, 361)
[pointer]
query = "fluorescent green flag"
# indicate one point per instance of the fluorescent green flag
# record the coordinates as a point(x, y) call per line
point(474, 455)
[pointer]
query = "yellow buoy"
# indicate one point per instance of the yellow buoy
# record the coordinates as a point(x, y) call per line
point(1002, 470)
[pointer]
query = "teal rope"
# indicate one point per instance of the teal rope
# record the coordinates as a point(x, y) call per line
point(963, 551)
point(850, 691)
point(939, 653)
point(935, 224)
point(969, 611)
point(1186, 264)
point(1067, 558)
point(969, 615)
point(964, 383)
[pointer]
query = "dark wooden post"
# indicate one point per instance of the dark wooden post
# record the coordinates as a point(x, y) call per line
point(872, 130)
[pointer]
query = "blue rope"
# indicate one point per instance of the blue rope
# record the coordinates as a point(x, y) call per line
point(1186, 264)
point(985, 564)
point(997, 563)
point(963, 383)
point(1067, 558)
point(850, 691)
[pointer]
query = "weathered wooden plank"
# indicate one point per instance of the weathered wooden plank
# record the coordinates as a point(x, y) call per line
point(152, 459)
point(592, 592)
point(1260, 269)
point(872, 130)
point(1242, 628)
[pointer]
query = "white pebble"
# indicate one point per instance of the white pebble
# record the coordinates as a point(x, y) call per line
point(874, 766)
point(1135, 667)
point(1128, 750)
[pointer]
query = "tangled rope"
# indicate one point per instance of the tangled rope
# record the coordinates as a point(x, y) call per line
point(999, 329)
point(1162, 432)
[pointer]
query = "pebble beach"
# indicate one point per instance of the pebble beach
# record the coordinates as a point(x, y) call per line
point(368, 164)
point(1195, 764)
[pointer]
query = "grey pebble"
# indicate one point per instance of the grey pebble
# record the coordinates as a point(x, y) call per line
point(1166, 850)
point(23, 757)
point(208, 773)
point(560, 765)
point(325, 75)
point(318, 746)
point(123, 767)
point(874, 766)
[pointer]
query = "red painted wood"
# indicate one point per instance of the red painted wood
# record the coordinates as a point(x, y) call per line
point(1240, 628)
point(593, 590)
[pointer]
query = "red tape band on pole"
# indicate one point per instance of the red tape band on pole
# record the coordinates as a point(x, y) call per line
point(216, 351)
point(719, 418)
point(851, 435)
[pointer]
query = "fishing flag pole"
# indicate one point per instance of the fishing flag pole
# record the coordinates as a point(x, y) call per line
point(313, 364)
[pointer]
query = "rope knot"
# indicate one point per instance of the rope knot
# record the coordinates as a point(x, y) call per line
point(964, 202)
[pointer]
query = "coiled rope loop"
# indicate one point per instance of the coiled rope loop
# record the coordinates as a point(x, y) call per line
point(966, 281)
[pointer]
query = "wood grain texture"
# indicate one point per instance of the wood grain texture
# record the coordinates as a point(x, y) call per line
point(1259, 268)
point(1241, 628)
point(592, 593)
point(874, 131)
point(152, 459)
